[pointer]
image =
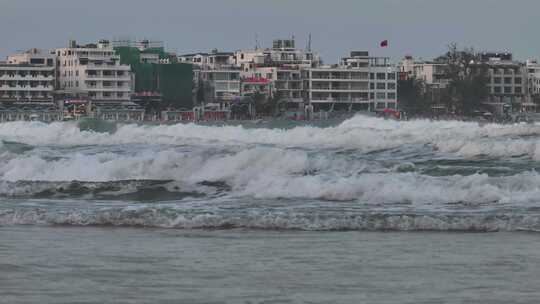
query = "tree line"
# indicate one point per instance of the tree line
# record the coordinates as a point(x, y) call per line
point(464, 93)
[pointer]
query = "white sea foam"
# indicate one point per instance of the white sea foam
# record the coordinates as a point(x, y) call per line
point(269, 172)
point(362, 133)
point(309, 220)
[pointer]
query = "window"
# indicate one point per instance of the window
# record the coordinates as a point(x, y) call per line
point(381, 96)
point(380, 105)
point(372, 86)
point(507, 80)
point(371, 96)
point(381, 86)
point(391, 75)
point(517, 90)
point(77, 83)
point(391, 86)
point(371, 75)
point(381, 76)
point(391, 105)
point(497, 80)
point(507, 90)
point(76, 73)
point(517, 80)
point(391, 95)
point(497, 90)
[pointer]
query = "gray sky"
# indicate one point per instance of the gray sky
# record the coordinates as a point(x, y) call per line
point(422, 28)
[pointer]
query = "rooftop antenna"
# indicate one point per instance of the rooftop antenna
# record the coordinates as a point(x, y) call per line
point(256, 41)
point(309, 43)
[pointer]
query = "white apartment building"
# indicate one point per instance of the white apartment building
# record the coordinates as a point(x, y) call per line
point(359, 81)
point(282, 65)
point(223, 84)
point(94, 69)
point(209, 61)
point(338, 84)
point(218, 73)
point(28, 77)
point(431, 73)
point(247, 60)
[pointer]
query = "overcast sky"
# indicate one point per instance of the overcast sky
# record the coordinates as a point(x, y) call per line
point(422, 28)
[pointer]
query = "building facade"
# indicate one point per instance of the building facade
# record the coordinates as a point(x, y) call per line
point(533, 81)
point(221, 86)
point(507, 80)
point(28, 77)
point(359, 82)
point(94, 69)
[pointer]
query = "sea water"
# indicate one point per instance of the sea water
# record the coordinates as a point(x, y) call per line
point(364, 210)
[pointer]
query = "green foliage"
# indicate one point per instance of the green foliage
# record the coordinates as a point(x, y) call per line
point(468, 79)
point(411, 97)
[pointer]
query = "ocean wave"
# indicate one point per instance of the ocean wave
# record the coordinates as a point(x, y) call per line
point(273, 173)
point(133, 190)
point(360, 132)
point(156, 217)
point(494, 148)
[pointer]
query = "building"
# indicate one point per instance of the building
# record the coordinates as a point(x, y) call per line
point(28, 77)
point(287, 81)
point(507, 80)
point(212, 61)
point(247, 60)
point(359, 82)
point(95, 69)
point(221, 85)
point(431, 73)
point(533, 81)
point(216, 75)
point(282, 65)
point(254, 85)
point(157, 72)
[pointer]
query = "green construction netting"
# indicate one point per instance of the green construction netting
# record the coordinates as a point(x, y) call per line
point(174, 81)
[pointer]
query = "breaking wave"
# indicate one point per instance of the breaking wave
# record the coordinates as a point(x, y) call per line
point(365, 174)
point(267, 173)
point(360, 132)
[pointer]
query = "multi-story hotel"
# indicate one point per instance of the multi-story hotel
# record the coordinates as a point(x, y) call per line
point(507, 80)
point(358, 82)
point(94, 69)
point(28, 77)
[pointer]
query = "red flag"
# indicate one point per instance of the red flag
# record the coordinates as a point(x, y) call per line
point(384, 43)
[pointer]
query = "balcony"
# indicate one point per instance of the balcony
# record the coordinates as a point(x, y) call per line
point(339, 100)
